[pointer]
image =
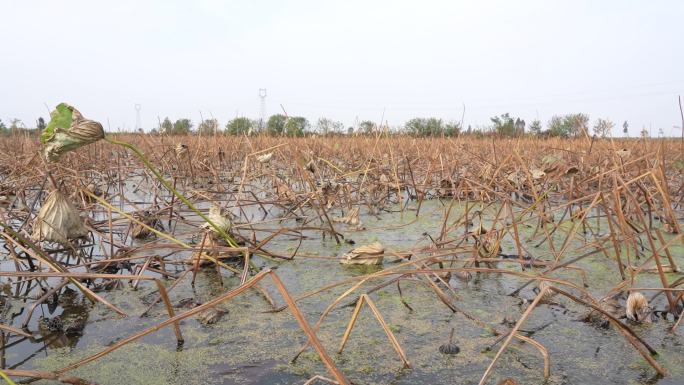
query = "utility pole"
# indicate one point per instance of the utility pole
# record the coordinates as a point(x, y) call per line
point(138, 120)
point(262, 108)
point(681, 113)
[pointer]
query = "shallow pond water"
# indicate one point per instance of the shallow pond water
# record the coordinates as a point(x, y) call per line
point(250, 345)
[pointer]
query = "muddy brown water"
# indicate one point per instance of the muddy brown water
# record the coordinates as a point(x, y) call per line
point(252, 346)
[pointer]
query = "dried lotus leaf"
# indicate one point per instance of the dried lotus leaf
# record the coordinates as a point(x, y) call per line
point(58, 221)
point(265, 158)
point(373, 248)
point(637, 308)
point(623, 153)
point(364, 255)
point(216, 216)
point(181, 150)
point(538, 174)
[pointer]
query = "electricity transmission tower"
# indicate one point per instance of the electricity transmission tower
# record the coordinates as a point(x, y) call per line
point(262, 107)
point(138, 120)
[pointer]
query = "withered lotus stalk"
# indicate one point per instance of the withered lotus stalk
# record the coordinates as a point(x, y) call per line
point(59, 138)
point(58, 220)
point(352, 218)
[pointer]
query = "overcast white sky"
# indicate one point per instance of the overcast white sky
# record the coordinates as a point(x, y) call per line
point(615, 59)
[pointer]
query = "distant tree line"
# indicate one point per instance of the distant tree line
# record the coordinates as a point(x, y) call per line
point(281, 125)
point(565, 126)
point(17, 126)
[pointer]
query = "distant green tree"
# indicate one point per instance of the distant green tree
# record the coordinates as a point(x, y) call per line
point(415, 126)
point(603, 127)
point(239, 126)
point(568, 125)
point(208, 127)
point(644, 133)
point(480, 131)
point(367, 127)
point(434, 127)
point(296, 126)
point(519, 126)
point(40, 124)
point(558, 126)
point(452, 129)
point(276, 124)
point(327, 126)
point(504, 124)
point(167, 126)
point(3, 128)
point(181, 127)
point(535, 127)
point(581, 124)
point(425, 127)
point(625, 128)
point(15, 125)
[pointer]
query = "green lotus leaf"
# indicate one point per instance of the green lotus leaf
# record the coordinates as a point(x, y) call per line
point(59, 118)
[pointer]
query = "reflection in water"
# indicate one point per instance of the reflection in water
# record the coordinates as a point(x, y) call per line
point(61, 325)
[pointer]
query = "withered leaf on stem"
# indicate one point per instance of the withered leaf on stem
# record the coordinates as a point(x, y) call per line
point(67, 131)
point(58, 220)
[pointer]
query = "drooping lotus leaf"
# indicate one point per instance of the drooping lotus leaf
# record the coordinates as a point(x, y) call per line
point(58, 220)
point(67, 131)
point(60, 117)
point(365, 255)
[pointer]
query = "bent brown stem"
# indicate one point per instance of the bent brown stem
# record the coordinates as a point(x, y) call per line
point(512, 334)
point(378, 316)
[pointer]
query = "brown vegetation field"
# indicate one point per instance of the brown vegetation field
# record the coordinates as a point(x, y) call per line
point(584, 230)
